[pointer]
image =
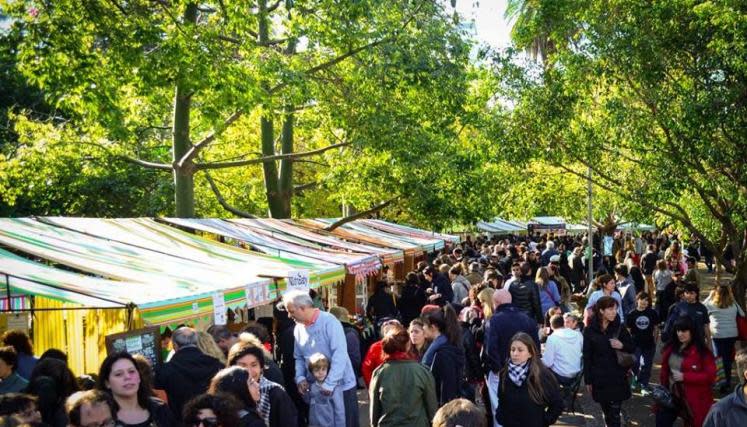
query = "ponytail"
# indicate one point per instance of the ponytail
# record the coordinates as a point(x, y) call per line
point(445, 319)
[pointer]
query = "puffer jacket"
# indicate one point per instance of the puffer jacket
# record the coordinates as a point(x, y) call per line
point(525, 295)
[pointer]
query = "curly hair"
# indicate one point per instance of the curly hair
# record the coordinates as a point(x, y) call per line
point(224, 405)
point(18, 340)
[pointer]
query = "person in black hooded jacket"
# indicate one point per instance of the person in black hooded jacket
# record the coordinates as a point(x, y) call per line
point(412, 299)
point(604, 377)
point(525, 294)
point(445, 356)
point(381, 304)
point(189, 371)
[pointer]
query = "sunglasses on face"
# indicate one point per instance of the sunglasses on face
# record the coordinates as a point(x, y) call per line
point(205, 422)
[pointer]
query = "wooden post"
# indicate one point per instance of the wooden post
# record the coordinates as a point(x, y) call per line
point(346, 293)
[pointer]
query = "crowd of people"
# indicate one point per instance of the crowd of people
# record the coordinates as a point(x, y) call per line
point(501, 332)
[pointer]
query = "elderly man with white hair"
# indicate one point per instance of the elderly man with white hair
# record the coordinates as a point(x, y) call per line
point(317, 331)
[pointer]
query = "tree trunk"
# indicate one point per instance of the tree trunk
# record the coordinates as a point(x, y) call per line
point(740, 278)
point(269, 167)
point(285, 183)
point(184, 192)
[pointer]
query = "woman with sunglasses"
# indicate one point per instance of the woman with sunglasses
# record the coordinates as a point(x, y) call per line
point(206, 410)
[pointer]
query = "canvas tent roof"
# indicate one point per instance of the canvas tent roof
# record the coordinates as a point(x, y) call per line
point(367, 235)
point(220, 268)
point(270, 242)
point(499, 225)
point(399, 229)
point(306, 234)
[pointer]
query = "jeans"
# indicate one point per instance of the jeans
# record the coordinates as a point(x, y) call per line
point(611, 412)
point(724, 347)
point(351, 407)
point(492, 383)
point(642, 371)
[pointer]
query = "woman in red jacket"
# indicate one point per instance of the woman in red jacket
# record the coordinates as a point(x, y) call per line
point(375, 355)
point(688, 369)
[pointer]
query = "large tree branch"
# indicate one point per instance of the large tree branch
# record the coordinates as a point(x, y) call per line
point(365, 213)
point(196, 148)
point(223, 201)
point(303, 187)
point(289, 156)
point(128, 159)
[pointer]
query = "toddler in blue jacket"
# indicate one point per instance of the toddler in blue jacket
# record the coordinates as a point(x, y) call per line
point(326, 408)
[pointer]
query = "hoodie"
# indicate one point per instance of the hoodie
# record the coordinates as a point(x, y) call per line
point(186, 375)
point(729, 411)
point(563, 352)
point(448, 371)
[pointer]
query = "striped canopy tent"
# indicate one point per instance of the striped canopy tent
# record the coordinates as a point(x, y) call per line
point(403, 230)
point(287, 227)
point(147, 234)
point(502, 226)
point(75, 312)
point(372, 236)
point(279, 244)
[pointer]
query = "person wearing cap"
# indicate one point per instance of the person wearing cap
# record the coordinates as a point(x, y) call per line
point(691, 307)
point(506, 321)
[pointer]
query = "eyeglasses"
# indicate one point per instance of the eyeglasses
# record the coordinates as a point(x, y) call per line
point(205, 422)
point(108, 423)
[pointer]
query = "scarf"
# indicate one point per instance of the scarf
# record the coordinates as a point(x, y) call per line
point(263, 407)
point(518, 373)
point(430, 354)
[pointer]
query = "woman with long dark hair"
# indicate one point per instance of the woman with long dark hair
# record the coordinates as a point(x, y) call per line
point(605, 379)
point(688, 369)
point(134, 405)
point(445, 356)
point(52, 382)
point(528, 390)
point(237, 382)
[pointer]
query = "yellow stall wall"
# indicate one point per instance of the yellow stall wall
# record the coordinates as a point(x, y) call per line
point(79, 333)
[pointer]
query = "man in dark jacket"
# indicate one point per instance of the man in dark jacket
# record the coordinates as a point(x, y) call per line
point(525, 294)
point(732, 409)
point(439, 290)
point(188, 373)
point(505, 323)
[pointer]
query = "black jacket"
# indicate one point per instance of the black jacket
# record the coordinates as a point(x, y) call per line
point(608, 379)
point(161, 414)
point(410, 303)
point(186, 375)
point(525, 296)
point(381, 305)
point(448, 371)
point(441, 285)
point(282, 410)
point(517, 409)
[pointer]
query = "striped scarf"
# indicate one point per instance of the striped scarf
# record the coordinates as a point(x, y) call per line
point(518, 373)
point(263, 407)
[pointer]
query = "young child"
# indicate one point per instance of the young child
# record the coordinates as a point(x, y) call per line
point(643, 322)
point(326, 407)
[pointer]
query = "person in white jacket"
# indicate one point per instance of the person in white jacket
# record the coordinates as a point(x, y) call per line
point(563, 351)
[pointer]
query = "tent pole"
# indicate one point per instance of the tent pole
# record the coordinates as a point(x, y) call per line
point(7, 289)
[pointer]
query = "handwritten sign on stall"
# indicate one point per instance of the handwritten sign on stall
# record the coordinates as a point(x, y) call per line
point(298, 280)
point(145, 341)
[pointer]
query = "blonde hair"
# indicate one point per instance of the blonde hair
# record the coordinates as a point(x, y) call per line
point(207, 345)
point(722, 297)
point(485, 297)
point(318, 360)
